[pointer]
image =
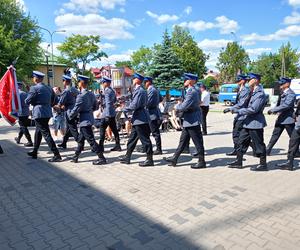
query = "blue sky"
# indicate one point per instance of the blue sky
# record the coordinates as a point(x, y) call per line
point(125, 25)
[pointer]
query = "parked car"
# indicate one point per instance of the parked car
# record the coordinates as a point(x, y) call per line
point(228, 93)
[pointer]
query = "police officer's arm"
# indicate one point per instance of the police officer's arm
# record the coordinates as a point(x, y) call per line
point(109, 101)
point(288, 103)
point(78, 104)
point(31, 96)
point(254, 107)
point(187, 103)
point(135, 104)
point(242, 99)
point(63, 98)
point(150, 103)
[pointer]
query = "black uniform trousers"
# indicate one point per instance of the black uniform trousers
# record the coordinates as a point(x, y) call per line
point(278, 129)
point(294, 143)
point(86, 133)
point(141, 132)
point(256, 136)
point(71, 130)
point(205, 110)
point(42, 130)
point(196, 135)
point(24, 122)
point(237, 128)
point(111, 122)
point(154, 127)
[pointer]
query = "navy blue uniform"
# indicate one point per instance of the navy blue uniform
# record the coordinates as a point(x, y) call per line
point(68, 99)
point(155, 115)
point(24, 122)
point(42, 98)
point(285, 120)
point(140, 121)
point(84, 106)
point(108, 118)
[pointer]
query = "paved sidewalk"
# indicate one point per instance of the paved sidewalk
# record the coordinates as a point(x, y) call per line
point(69, 206)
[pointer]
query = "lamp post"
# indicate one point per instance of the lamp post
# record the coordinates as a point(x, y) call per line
point(51, 41)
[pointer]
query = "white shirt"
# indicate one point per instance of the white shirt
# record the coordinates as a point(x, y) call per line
point(205, 98)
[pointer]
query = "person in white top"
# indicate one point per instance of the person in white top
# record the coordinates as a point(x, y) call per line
point(204, 105)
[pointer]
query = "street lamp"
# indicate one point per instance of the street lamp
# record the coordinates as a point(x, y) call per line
point(51, 41)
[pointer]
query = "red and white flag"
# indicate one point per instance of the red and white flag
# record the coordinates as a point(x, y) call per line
point(10, 103)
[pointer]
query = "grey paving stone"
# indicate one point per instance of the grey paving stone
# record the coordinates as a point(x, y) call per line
point(27, 184)
point(229, 193)
point(160, 228)
point(180, 220)
point(207, 204)
point(240, 189)
point(8, 189)
point(45, 180)
point(118, 246)
point(142, 237)
point(193, 211)
point(218, 198)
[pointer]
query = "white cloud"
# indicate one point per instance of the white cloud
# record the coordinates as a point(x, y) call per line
point(112, 59)
point(107, 46)
point(208, 44)
point(122, 10)
point(281, 34)
point(188, 10)
point(257, 51)
point(224, 24)
point(94, 24)
point(293, 19)
point(294, 3)
point(92, 6)
point(164, 18)
point(22, 5)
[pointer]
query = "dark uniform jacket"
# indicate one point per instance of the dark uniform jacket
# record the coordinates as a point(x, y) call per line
point(108, 104)
point(153, 102)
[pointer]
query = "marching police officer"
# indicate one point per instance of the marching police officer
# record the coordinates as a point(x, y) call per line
point(23, 118)
point(84, 106)
point(140, 123)
point(108, 117)
point(42, 97)
point(242, 99)
point(191, 123)
point(285, 111)
point(154, 112)
point(293, 145)
point(253, 126)
point(66, 102)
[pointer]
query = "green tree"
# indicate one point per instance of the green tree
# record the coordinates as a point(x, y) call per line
point(186, 48)
point(78, 49)
point(166, 68)
point(19, 38)
point(123, 64)
point(141, 59)
point(232, 60)
point(210, 82)
point(269, 66)
point(291, 60)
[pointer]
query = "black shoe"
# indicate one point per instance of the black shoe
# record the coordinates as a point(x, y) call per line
point(28, 144)
point(75, 158)
point(1, 150)
point(289, 165)
point(17, 140)
point(124, 159)
point(199, 165)
point(171, 160)
point(235, 164)
point(55, 158)
point(232, 153)
point(147, 163)
point(116, 148)
point(260, 167)
point(100, 161)
point(158, 152)
point(33, 154)
point(62, 145)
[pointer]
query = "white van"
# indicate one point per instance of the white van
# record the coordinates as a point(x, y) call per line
point(295, 86)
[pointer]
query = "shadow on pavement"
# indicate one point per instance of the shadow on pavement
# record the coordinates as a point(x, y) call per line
point(43, 206)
